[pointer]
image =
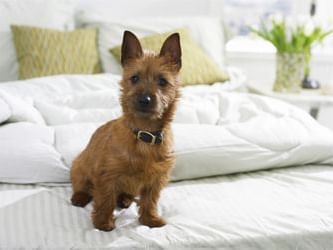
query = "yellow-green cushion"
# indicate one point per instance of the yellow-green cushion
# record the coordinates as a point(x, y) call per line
point(43, 52)
point(197, 67)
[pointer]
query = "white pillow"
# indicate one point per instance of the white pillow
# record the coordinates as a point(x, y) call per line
point(261, 143)
point(204, 150)
point(207, 31)
point(28, 155)
point(57, 14)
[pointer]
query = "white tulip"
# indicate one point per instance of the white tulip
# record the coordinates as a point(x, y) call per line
point(309, 28)
point(277, 18)
point(325, 25)
point(303, 19)
point(291, 24)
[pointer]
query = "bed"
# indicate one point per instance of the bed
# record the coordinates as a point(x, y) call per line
point(285, 204)
point(279, 209)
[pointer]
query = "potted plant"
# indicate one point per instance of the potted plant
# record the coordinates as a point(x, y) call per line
point(293, 39)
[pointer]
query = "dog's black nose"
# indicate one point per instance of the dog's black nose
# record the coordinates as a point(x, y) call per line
point(144, 101)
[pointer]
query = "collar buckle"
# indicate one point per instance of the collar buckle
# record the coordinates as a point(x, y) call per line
point(142, 135)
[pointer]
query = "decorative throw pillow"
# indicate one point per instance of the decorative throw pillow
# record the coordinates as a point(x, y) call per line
point(197, 67)
point(43, 52)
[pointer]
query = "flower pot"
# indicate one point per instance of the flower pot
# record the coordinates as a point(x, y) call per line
point(289, 72)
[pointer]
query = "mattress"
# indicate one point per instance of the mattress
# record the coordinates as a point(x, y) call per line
point(289, 208)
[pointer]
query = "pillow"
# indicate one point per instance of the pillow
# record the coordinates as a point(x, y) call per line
point(55, 14)
point(197, 67)
point(43, 52)
point(27, 154)
point(208, 150)
point(206, 31)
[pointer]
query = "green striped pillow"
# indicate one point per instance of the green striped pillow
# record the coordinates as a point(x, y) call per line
point(44, 52)
point(197, 67)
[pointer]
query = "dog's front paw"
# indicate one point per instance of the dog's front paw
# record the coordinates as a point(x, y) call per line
point(153, 221)
point(81, 199)
point(104, 226)
point(102, 223)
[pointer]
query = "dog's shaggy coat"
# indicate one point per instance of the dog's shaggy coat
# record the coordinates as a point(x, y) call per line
point(115, 167)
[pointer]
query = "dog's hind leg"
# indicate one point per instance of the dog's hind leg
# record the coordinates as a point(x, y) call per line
point(81, 186)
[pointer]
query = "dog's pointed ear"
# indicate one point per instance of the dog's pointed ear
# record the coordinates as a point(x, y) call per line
point(130, 48)
point(171, 48)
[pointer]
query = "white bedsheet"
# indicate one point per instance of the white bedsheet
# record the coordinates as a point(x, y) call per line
point(285, 209)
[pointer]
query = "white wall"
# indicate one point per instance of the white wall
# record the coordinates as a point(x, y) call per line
point(325, 9)
point(141, 8)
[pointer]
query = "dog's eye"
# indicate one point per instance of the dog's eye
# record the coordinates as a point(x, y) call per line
point(162, 81)
point(134, 79)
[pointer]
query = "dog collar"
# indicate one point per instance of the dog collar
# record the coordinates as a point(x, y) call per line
point(152, 138)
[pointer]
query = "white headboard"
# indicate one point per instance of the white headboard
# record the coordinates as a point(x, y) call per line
point(142, 8)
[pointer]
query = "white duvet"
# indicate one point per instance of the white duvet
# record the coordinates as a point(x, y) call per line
point(48, 121)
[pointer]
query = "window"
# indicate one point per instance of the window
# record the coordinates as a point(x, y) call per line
point(240, 14)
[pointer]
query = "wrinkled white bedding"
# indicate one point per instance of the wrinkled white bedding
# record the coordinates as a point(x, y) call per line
point(216, 132)
point(47, 121)
point(285, 209)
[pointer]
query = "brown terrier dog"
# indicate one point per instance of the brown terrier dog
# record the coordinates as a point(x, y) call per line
point(132, 155)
